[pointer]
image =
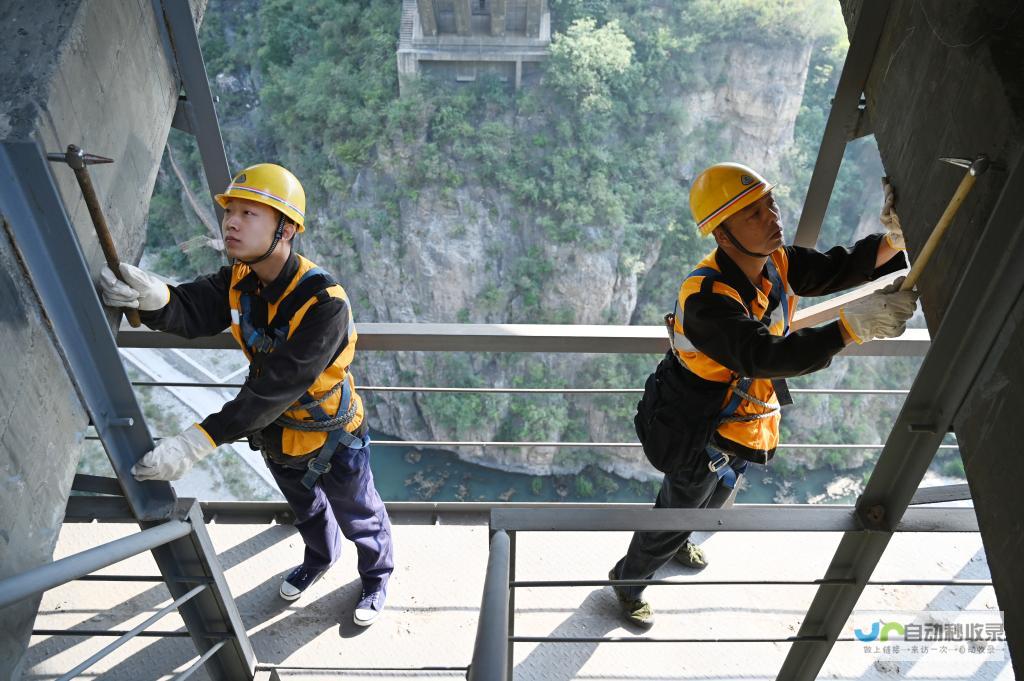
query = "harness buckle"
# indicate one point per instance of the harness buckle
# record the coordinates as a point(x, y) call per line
point(718, 463)
point(319, 468)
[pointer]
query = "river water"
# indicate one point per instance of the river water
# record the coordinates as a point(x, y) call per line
point(404, 474)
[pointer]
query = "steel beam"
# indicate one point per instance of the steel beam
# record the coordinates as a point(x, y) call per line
point(516, 391)
point(561, 583)
point(190, 558)
point(199, 107)
point(490, 649)
point(574, 338)
point(99, 509)
point(212, 616)
point(96, 484)
point(843, 119)
point(935, 495)
point(110, 509)
point(34, 215)
point(991, 285)
point(740, 518)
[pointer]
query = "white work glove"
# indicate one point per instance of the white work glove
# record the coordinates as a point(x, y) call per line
point(889, 219)
point(139, 289)
point(174, 456)
point(883, 314)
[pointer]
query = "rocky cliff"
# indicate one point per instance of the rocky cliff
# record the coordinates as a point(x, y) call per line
point(420, 229)
point(456, 258)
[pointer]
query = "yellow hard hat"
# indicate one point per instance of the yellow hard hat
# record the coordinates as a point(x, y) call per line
point(270, 185)
point(723, 190)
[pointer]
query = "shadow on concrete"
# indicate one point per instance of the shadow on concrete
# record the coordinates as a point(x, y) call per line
point(171, 652)
point(551, 662)
point(951, 597)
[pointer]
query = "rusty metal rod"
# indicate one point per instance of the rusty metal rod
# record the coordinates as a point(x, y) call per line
point(79, 160)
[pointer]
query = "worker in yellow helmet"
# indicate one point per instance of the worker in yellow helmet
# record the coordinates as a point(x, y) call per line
point(298, 405)
point(712, 406)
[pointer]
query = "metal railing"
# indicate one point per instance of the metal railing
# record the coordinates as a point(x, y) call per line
point(841, 392)
point(495, 639)
point(555, 338)
point(491, 661)
point(80, 566)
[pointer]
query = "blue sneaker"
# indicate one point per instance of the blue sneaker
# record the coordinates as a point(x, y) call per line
point(368, 608)
point(297, 581)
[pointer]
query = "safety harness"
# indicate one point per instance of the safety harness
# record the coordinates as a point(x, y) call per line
point(262, 341)
point(718, 461)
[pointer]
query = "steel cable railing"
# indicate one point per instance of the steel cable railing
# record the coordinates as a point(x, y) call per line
point(80, 565)
point(496, 637)
point(515, 391)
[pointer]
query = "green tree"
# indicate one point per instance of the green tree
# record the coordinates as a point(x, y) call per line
point(586, 62)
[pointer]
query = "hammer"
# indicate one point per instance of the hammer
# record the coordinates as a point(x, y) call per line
point(974, 168)
point(78, 160)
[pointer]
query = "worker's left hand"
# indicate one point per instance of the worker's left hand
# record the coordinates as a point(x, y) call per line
point(174, 456)
point(889, 219)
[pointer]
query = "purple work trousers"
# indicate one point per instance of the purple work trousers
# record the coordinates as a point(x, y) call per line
point(343, 498)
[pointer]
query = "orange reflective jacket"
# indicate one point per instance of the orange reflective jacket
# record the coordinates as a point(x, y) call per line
point(749, 423)
point(332, 394)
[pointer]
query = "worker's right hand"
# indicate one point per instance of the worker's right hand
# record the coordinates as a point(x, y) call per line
point(883, 314)
point(140, 289)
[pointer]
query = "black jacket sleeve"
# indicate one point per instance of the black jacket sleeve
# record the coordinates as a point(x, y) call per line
point(285, 373)
point(719, 327)
point(198, 308)
point(813, 273)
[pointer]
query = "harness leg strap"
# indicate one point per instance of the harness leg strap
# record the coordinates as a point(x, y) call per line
point(321, 463)
point(718, 463)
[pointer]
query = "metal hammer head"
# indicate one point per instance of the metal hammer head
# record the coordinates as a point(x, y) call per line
point(76, 158)
point(976, 167)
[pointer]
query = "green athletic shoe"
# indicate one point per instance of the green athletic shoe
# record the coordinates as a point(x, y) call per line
point(635, 610)
point(692, 556)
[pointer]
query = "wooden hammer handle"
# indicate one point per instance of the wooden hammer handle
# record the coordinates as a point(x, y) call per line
point(941, 226)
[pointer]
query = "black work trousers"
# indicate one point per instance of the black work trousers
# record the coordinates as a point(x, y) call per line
point(693, 486)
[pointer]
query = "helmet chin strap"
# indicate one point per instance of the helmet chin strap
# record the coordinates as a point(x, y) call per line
point(740, 247)
point(273, 245)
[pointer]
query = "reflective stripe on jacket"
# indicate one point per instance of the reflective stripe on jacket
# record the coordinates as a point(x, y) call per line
point(724, 333)
point(752, 431)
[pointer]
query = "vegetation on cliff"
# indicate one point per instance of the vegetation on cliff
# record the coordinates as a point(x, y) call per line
point(594, 158)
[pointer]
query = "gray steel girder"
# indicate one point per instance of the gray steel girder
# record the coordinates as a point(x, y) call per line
point(46, 241)
point(989, 288)
point(843, 119)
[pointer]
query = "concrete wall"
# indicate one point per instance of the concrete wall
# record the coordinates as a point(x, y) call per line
point(97, 74)
point(947, 81)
